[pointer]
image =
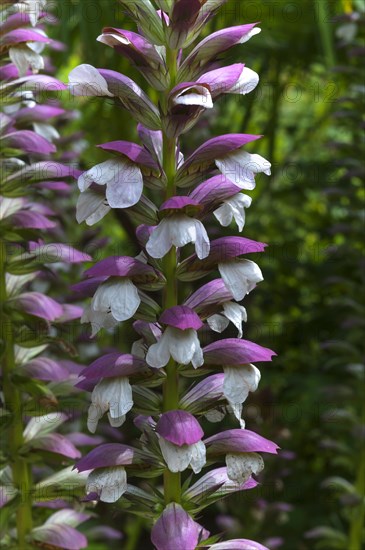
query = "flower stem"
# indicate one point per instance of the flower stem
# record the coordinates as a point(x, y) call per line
point(12, 396)
point(172, 481)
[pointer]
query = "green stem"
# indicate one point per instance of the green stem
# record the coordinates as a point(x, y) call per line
point(20, 470)
point(325, 31)
point(172, 481)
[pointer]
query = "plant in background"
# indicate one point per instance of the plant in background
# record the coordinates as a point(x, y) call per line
point(36, 453)
point(167, 382)
point(343, 439)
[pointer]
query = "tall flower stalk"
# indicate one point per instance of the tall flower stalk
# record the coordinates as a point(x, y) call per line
point(169, 197)
point(34, 377)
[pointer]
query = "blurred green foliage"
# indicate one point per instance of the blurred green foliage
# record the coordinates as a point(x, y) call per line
point(296, 211)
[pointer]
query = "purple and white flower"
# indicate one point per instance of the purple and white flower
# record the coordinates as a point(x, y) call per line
point(178, 229)
point(180, 439)
point(179, 339)
point(176, 529)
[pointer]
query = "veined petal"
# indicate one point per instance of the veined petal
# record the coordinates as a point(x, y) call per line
point(178, 230)
point(233, 208)
point(240, 277)
point(113, 395)
point(218, 323)
point(241, 466)
point(91, 207)
point(239, 381)
point(240, 167)
point(121, 298)
point(176, 458)
point(158, 354)
point(185, 346)
point(198, 458)
point(108, 483)
point(123, 180)
point(98, 320)
point(236, 314)
point(175, 529)
point(85, 80)
point(24, 57)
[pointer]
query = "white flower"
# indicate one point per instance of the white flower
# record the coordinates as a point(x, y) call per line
point(32, 7)
point(120, 298)
point(233, 208)
point(112, 395)
point(85, 80)
point(182, 345)
point(46, 130)
point(123, 180)
point(238, 382)
point(240, 466)
point(240, 167)
point(178, 230)
point(24, 57)
point(178, 458)
point(240, 277)
point(194, 95)
point(98, 320)
point(108, 483)
point(246, 83)
point(231, 312)
point(91, 207)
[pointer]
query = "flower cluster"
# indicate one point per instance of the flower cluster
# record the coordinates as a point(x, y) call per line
point(36, 376)
point(169, 198)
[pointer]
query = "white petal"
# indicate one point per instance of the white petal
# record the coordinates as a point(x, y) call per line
point(125, 189)
point(224, 214)
point(236, 409)
point(253, 32)
point(121, 298)
point(246, 83)
point(178, 230)
point(160, 241)
point(24, 57)
point(110, 39)
point(110, 483)
point(93, 416)
point(139, 349)
point(198, 458)
point(236, 314)
point(240, 277)
point(239, 381)
point(198, 357)
point(158, 354)
point(98, 320)
point(202, 243)
point(233, 208)
point(113, 395)
point(47, 131)
point(240, 167)
point(184, 346)
point(91, 207)
point(215, 415)
point(85, 80)
point(218, 322)
point(240, 466)
point(116, 422)
point(176, 458)
point(199, 96)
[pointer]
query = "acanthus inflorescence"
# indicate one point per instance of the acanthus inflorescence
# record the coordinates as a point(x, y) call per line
point(37, 452)
point(171, 199)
